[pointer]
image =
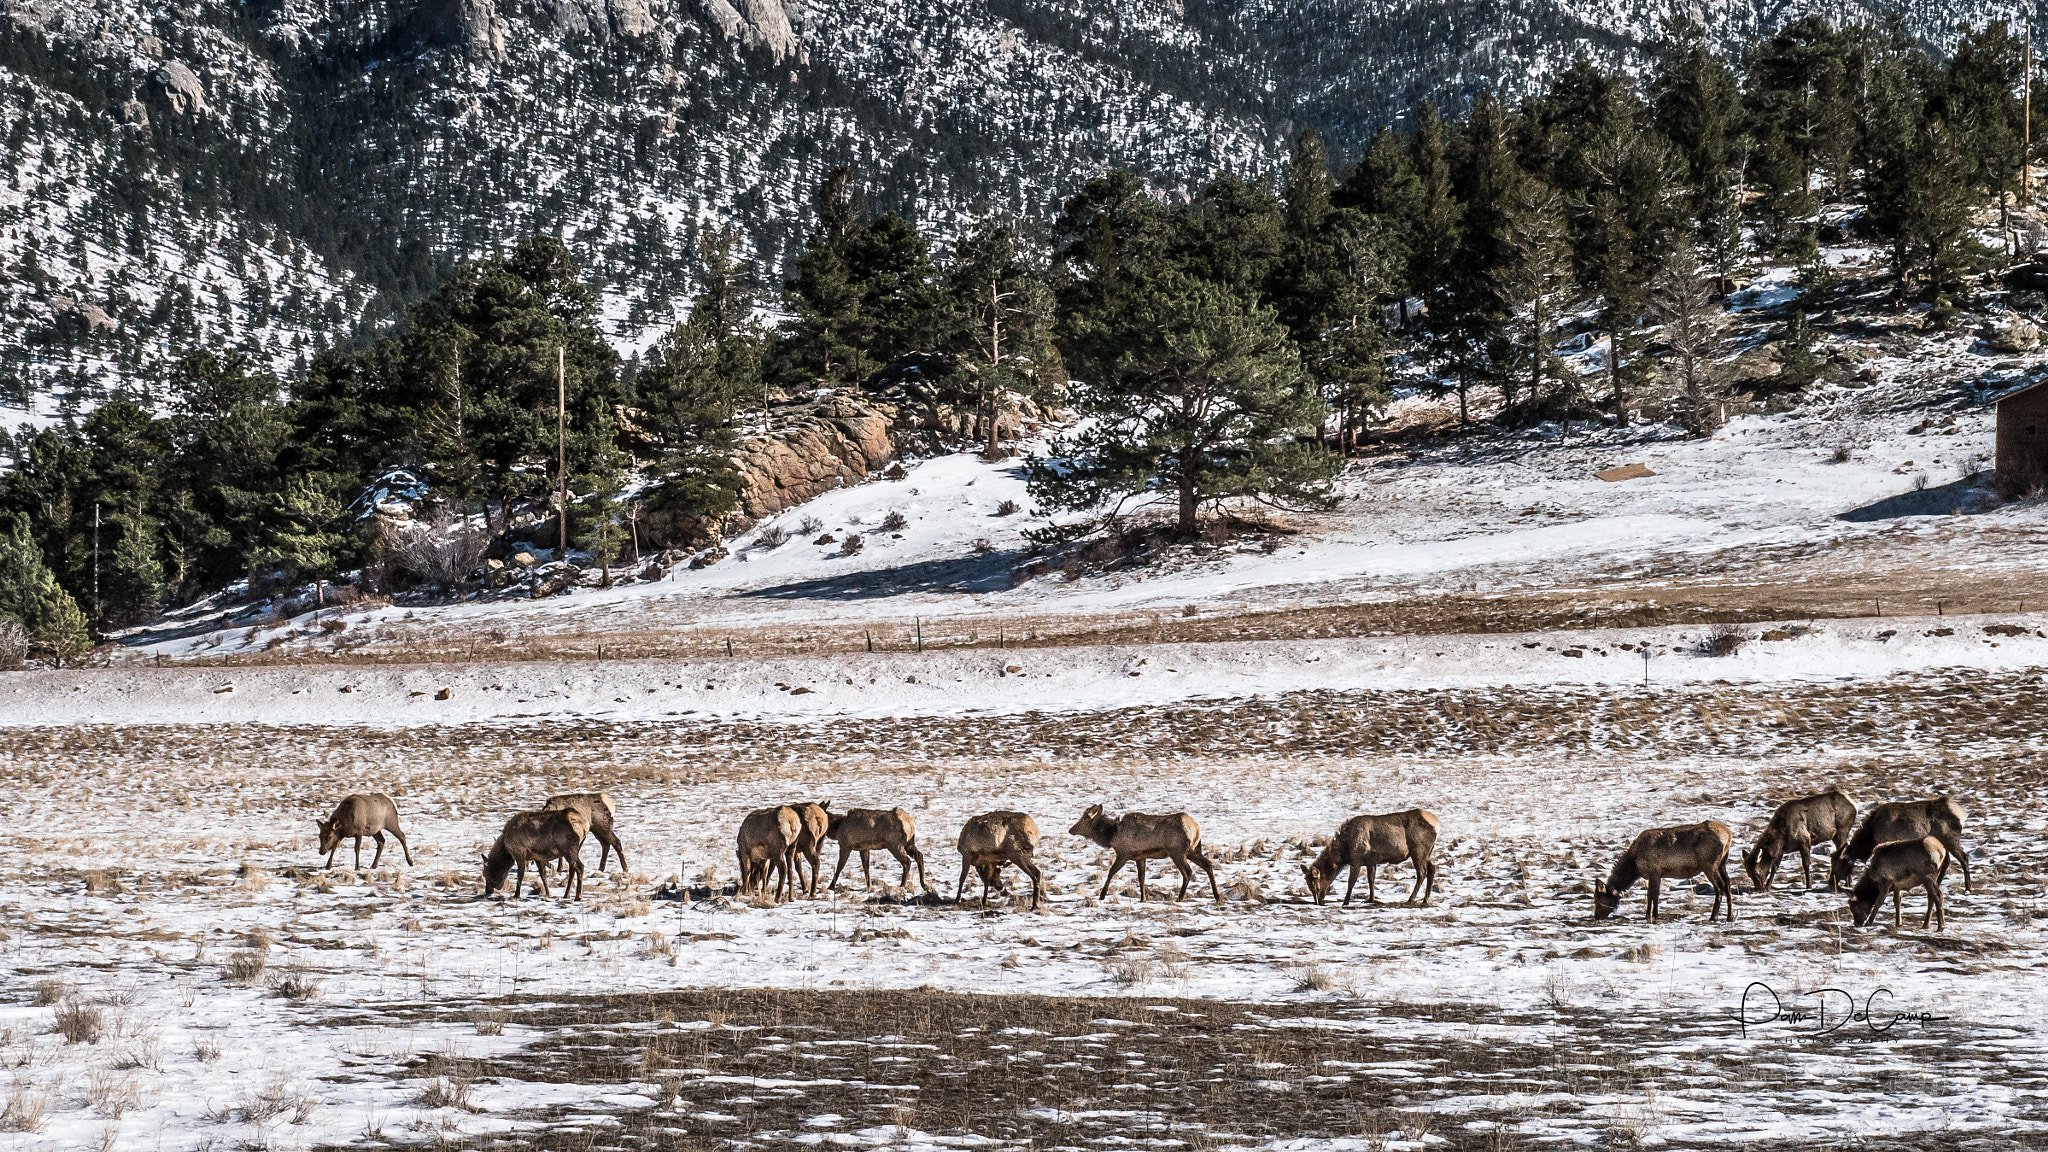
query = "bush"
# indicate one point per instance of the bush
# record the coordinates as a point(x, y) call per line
point(851, 545)
point(772, 537)
point(894, 522)
point(443, 551)
point(808, 525)
point(1723, 640)
point(79, 1020)
point(983, 544)
point(1008, 508)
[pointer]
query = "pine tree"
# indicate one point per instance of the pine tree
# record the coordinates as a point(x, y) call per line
point(1695, 104)
point(1327, 288)
point(1002, 318)
point(1682, 304)
point(826, 338)
point(687, 399)
point(1798, 365)
point(31, 596)
point(1534, 281)
point(1190, 408)
point(1469, 333)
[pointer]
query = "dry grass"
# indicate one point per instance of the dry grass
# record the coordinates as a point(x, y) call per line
point(109, 1096)
point(295, 982)
point(246, 967)
point(206, 1049)
point(79, 1020)
point(25, 1110)
point(447, 1092)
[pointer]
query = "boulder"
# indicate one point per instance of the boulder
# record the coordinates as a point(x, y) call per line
point(181, 88)
point(818, 447)
point(2014, 334)
point(133, 113)
point(708, 558)
point(762, 25)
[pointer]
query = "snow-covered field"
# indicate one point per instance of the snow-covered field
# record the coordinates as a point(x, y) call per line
point(162, 845)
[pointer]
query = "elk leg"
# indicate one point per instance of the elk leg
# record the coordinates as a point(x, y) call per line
point(1372, 889)
point(330, 855)
point(1187, 877)
point(1806, 865)
point(1143, 895)
point(1431, 890)
point(867, 878)
point(917, 855)
point(1115, 864)
point(844, 853)
point(962, 886)
point(901, 858)
point(576, 874)
point(1351, 886)
point(402, 844)
point(1724, 889)
point(1419, 865)
point(1656, 892)
point(1955, 852)
point(812, 855)
point(1210, 869)
point(1031, 870)
point(359, 853)
point(1937, 904)
point(988, 875)
point(378, 858)
point(1895, 909)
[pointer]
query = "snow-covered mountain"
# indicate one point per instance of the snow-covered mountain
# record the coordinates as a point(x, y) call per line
point(277, 175)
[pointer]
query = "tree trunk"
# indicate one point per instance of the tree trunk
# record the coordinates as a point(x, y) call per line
point(994, 433)
point(1187, 500)
point(1464, 410)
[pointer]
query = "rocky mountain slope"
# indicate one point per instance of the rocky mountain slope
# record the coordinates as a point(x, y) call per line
point(277, 175)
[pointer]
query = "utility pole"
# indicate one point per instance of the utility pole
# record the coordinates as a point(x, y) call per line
point(95, 563)
point(561, 453)
point(2027, 116)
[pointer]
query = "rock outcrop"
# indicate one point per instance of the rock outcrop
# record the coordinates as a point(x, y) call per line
point(814, 448)
point(601, 20)
point(759, 24)
point(470, 25)
point(181, 88)
point(2017, 334)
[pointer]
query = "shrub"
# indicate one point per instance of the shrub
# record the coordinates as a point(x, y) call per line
point(79, 1021)
point(894, 522)
point(446, 1092)
point(13, 644)
point(1723, 640)
point(852, 545)
point(1840, 454)
point(808, 525)
point(295, 984)
point(772, 537)
point(332, 625)
point(1008, 508)
point(983, 544)
point(443, 551)
point(246, 967)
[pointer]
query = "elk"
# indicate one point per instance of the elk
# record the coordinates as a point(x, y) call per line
point(536, 838)
point(1661, 854)
point(863, 830)
point(814, 820)
point(598, 810)
point(1941, 818)
point(1797, 826)
point(993, 839)
point(361, 814)
point(1897, 867)
point(1370, 841)
point(767, 847)
point(1141, 837)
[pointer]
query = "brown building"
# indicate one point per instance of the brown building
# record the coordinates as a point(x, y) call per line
point(2023, 437)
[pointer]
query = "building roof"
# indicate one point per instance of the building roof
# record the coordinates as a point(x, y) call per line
point(2024, 386)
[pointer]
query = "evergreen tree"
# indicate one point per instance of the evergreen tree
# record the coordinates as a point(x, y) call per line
point(1798, 365)
point(1326, 289)
point(826, 338)
point(1188, 389)
point(1682, 304)
point(31, 596)
point(1695, 104)
point(1002, 316)
point(1469, 332)
point(1534, 281)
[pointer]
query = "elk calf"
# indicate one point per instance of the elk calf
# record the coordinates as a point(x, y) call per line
point(1797, 826)
point(1370, 841)
point(1941, 818)
point(863, 830)
point(767, 847)
point(1661, 854)
point(597, 809)
point(1902, 866)
point(362, 814)
point(1141, 837)
point(993, 839)
point(536, 838)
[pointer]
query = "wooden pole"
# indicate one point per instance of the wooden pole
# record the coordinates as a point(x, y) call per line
point(561, 454)
point(2027, 115)
point(95, 564)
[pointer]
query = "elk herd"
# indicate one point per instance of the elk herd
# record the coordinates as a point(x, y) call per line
point(1902, 845)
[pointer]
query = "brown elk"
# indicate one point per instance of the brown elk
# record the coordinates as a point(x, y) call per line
point(1661, 854)
point(814, 820)
point(1141, 837)
point(536, 838)
point(1797, 826)
point(767, 848)
point(993, 839)
point(597, 809)
point(863, 830)
point(1941, 818)
point(1897, 867)
point(362, 814)
point(1370, 841)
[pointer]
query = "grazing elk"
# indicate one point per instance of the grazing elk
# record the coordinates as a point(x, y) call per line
point(597, 809)
point(993, 839)
point(536, 838)
point(863, 830)
point(814, 820)
point(1141, 837)
point(767, 848)
point(1941, 818)
point(1370, 841)
point(1661, 854)
point(361, 814)
point(1797, 826)
point(1897, 867)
